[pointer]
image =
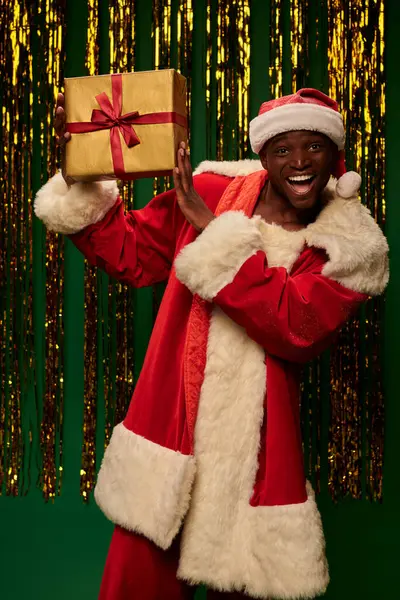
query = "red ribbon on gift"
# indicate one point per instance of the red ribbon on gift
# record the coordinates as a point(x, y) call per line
point(109, 117)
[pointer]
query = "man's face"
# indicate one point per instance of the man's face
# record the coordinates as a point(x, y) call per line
point(299, 164)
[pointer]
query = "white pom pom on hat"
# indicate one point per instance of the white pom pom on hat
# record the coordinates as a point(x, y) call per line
point(348, 185)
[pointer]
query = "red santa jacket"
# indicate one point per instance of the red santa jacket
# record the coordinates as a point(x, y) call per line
point(211, 441)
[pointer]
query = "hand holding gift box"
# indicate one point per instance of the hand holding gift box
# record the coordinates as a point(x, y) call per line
point(124, 126)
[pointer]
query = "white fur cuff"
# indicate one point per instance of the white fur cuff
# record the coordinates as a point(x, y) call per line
point(211, 262)
point(274, 551)
point(145, 487)
point(69, 210)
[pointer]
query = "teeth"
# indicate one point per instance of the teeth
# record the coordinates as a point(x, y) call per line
point(300, 178)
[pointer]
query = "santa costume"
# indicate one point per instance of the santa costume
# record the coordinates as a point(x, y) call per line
point(208, 460)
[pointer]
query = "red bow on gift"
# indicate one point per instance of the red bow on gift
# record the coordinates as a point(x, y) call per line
point(109, 117)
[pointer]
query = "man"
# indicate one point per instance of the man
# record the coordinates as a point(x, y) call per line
point(265, 262)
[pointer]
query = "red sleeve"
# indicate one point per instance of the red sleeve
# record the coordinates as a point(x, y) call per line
point(139, 247)
point(136, 247)
point(294, 318)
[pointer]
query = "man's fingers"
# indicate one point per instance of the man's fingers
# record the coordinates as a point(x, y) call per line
point(175, 175)
point(59, 121)
point(60, 99)
point(188, 168)
point(181, 167)
point(185, 169)
point(180, 194)
point(63, 139)
point(186, 162)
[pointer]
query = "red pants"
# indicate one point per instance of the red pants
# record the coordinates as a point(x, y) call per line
point(136, 569)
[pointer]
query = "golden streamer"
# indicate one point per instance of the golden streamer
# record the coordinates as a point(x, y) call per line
point(276, 48)
point(355, 66)
point(209, 77)
point(243, 77)
point(22, 116)
point(161, 35)
point(92, 41)
point(52, 421)
point(298, 42)
point(184, 42)
point(122, 35)
point(15, 71)
point(232, 74)
point(221, 73)
point(88, 464)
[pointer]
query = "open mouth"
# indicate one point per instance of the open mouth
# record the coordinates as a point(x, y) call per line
point(301, 184)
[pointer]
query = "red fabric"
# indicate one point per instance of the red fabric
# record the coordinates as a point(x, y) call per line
point(233, 198)
point(195, 356)
point(109, 117)
point(294, 317)
point(303, 96)
point(139, 248)
point(136, 569)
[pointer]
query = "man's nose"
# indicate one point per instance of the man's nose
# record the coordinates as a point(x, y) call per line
point(300, 160)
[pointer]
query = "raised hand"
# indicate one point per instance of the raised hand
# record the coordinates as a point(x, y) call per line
point(63, 137)
point(191, 204)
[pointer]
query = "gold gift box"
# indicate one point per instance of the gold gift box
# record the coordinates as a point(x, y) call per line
point(90, 156)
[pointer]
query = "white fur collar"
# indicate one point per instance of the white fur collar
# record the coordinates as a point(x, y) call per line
point(356, 246)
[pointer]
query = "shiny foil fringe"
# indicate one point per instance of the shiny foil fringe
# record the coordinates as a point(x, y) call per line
point(356, 79)
point(232, 74)
point(161, 35)
point(31, 407)
point(52, 420)
point(276, 49)
point(88, 464)
point(16, 70)
point(299, 42)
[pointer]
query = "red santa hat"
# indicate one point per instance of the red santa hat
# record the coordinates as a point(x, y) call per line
point(310, 110)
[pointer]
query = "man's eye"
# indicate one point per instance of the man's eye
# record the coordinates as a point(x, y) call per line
point(316, 146)
point(281, 151)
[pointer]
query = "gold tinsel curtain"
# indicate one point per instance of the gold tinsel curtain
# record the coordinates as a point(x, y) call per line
point(71, 341)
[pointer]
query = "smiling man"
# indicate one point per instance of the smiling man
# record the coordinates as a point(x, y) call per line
point(265, 262)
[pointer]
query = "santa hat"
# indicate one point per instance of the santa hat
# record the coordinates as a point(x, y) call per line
point(310, 110)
